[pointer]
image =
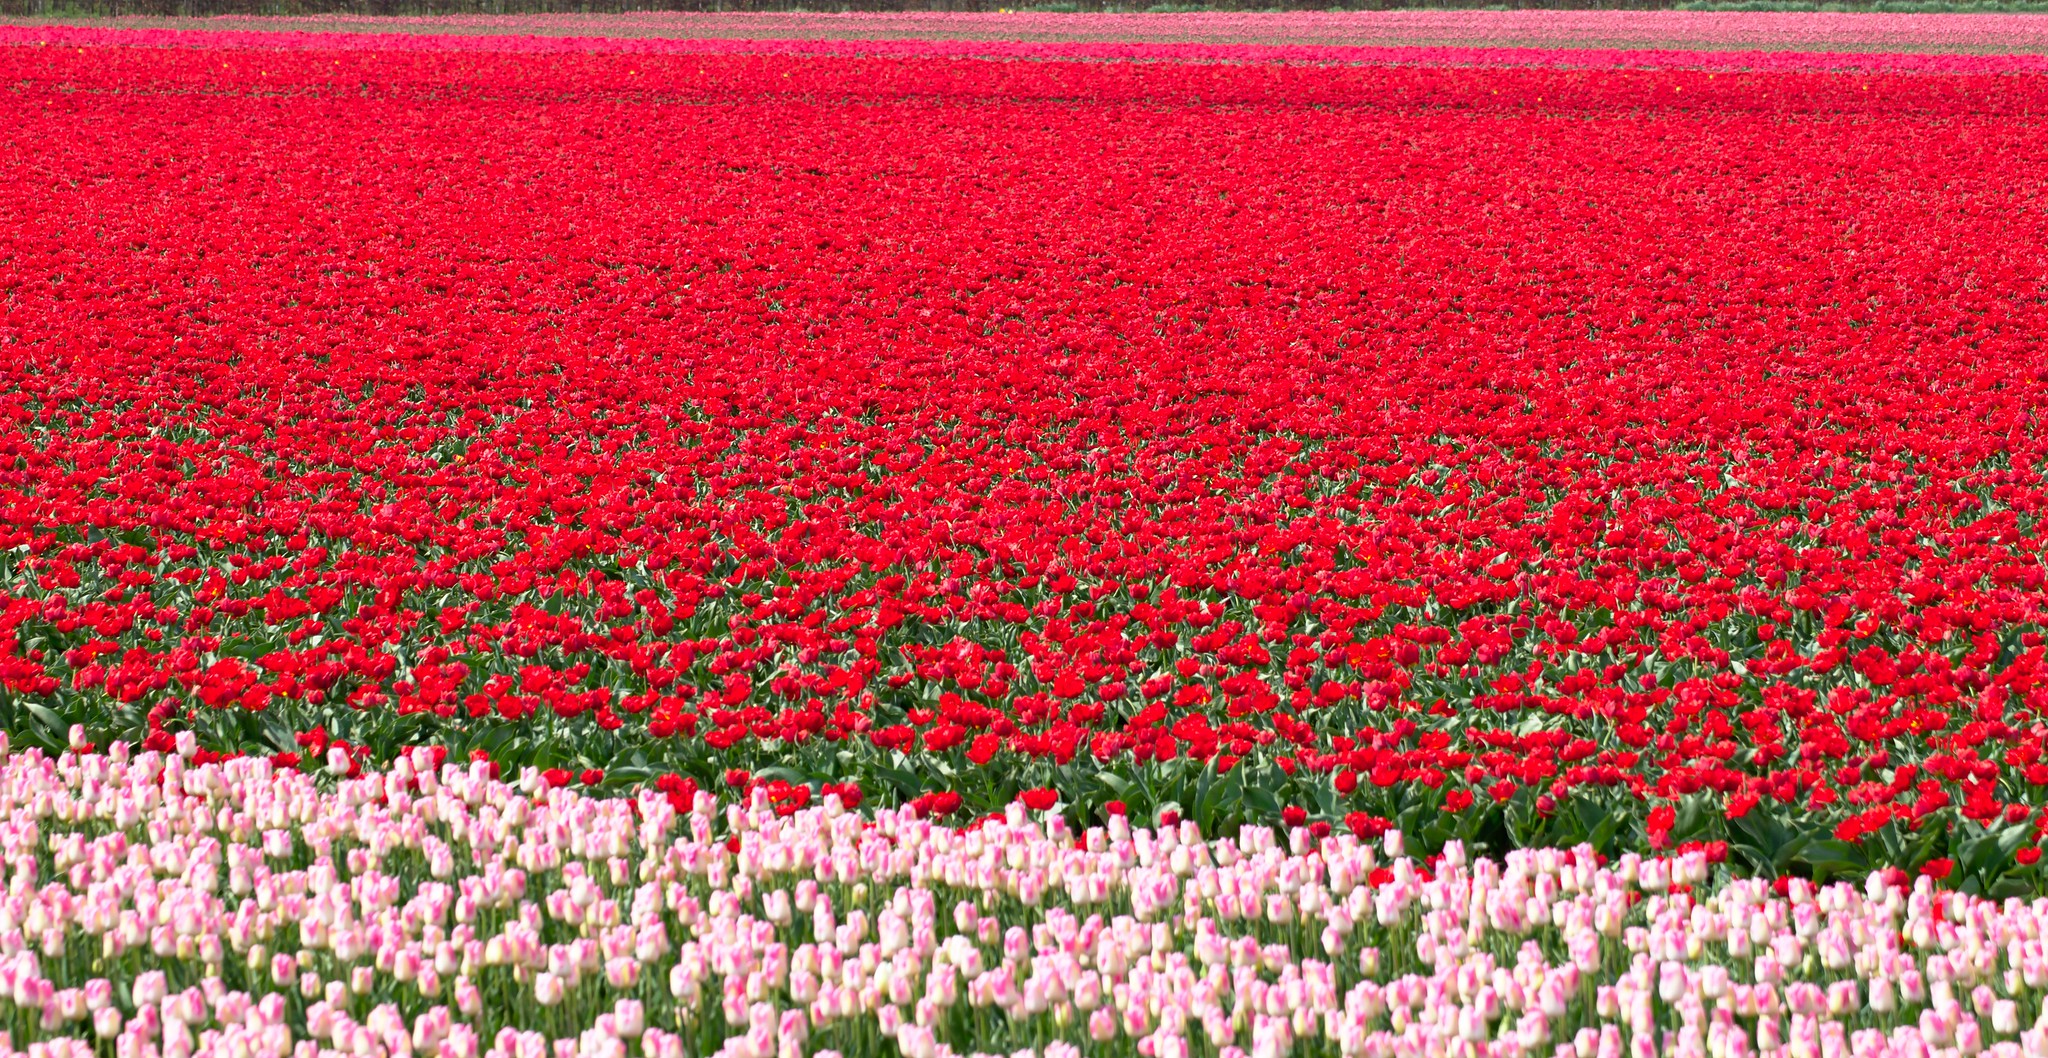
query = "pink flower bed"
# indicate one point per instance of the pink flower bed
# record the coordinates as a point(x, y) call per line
point(436, 910)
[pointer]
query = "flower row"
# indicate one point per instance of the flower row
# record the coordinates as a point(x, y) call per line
point(170, 909)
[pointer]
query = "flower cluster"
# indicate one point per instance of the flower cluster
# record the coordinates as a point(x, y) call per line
point(1513, 457)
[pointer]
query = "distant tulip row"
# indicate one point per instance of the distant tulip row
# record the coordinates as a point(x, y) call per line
point(1730, 41)
point(1563, 33)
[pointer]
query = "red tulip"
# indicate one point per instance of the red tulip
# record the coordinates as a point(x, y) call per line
point(1039, 800)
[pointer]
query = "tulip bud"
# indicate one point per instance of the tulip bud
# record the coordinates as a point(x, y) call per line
point(467, 997)
point(629, 1019)
point(149, 988)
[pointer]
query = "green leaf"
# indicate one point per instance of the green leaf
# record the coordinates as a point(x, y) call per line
point(1785, 853)
point(1756, 858)
point(2010, 886)
point(1214, 801)
point(1603, 832)
point(1829, 857)
point(1262, 803)
point(47, 719)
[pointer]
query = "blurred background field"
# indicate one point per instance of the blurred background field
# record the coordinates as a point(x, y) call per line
point(1931, 26)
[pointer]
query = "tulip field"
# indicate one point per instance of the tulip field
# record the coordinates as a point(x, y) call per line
point(1293, 539)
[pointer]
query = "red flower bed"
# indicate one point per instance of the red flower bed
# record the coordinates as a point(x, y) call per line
point(1529, 456)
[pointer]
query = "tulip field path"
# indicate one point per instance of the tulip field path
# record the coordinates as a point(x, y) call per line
point(1402, 535)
